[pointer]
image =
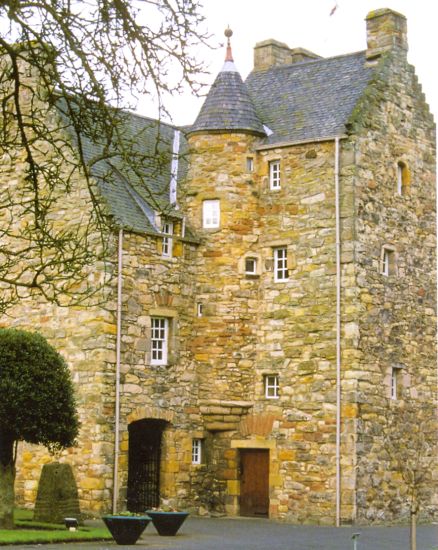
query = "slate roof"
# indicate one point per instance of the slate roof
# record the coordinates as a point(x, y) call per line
point(133, 196)
point(228, 106)
point(308, 100)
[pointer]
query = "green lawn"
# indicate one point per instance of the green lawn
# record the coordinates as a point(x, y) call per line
point(29, 532)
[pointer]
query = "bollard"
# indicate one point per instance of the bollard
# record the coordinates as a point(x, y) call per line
point(355, 537)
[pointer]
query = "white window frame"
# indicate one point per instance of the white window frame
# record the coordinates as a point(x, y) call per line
point(167, 242)
point(199, 309)
point(281, 272)
point(249, 164)
point(395, 381)
point(197, 451)
point(272, 386)
point(252, 271)
point(388, 261)
point(159, 340)
point(274, 175)
point(211, 213)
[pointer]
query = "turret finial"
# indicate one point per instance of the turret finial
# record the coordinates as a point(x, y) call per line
point(228, 33)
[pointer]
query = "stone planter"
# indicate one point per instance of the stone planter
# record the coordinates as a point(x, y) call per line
point(126, 529)
point(167, 523)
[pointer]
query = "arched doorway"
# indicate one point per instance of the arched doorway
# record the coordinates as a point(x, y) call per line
point(144, 458)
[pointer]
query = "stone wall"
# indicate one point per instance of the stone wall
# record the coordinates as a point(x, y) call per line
point(396, 314)
point(255, 326)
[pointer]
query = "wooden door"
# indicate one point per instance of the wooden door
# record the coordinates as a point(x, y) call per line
point(254, 482)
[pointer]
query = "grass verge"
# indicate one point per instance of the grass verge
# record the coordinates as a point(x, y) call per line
point(29, 532)
point(39, 536)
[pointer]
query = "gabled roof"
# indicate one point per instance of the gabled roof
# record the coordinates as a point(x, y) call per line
point(309, 100)
point(228, 106)
point(133, 195)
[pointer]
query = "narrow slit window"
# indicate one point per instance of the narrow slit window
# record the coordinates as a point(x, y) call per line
point(249, 164)
point(403, 178)
point(395, 382)
point(199, 309)
point(197, 451)
point(388, 262)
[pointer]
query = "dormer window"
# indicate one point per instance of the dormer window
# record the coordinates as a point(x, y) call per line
point(274, 175)
point(167, 241)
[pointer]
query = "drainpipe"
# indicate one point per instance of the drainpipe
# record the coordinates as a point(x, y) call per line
point(117, 400)
point(338, 337)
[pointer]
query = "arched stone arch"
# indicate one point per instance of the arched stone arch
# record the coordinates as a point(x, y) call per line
point(150, 412)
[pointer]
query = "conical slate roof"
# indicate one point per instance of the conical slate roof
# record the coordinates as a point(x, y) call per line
point(228, 106)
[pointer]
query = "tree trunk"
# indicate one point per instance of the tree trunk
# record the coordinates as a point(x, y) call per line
point(414, 509)
point(7, 480)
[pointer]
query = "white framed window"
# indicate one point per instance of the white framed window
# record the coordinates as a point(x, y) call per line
point(395, 382)
point(274, 175)
point(388, 261)
point(281, 272)
point(167, 239)
point(251, 266)
point(211, 213)
point(159, 340)
point(271, 386)
point(249, 164)
point(197, 453)
point(199, 309)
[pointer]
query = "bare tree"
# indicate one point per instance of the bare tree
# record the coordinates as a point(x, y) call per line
point(410, 441)
point(67, 67)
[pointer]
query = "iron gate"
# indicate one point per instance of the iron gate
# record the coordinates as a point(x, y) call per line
point(144, 464)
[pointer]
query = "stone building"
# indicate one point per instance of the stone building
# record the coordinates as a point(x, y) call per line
point(269, 315)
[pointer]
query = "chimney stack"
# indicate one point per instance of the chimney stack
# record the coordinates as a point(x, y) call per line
point(272, 53)
point(386, 31)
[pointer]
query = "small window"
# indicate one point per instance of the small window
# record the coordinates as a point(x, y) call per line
point(403, 179)
point(271, 386)
point(249, 164)
point(251, 266)
point(199, 309)
point(395, 382)
point(166, 249)
point(159, 340)
point(211, 213)
point(388, 261)
point(281, 272)
point(274, 175)
point(197, 451)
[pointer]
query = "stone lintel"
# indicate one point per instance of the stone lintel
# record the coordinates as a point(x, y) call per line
point(222, 403)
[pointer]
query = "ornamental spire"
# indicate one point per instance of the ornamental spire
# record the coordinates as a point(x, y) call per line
point(228, 33)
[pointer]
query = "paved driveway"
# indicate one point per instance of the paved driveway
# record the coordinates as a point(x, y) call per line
point(258, 534)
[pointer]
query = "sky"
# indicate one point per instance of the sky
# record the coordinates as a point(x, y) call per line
point(307, 24)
